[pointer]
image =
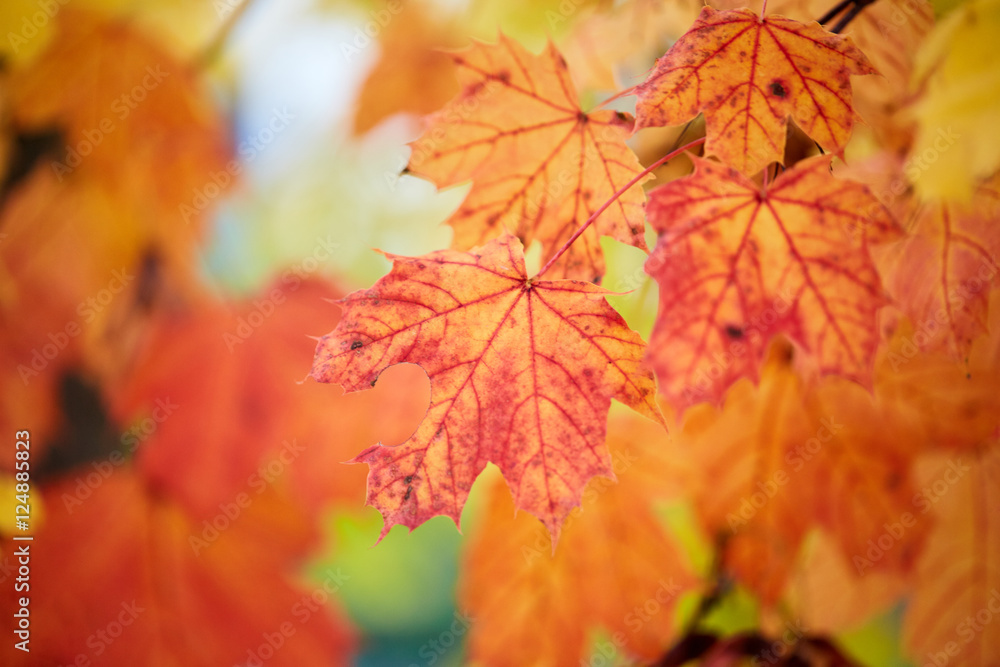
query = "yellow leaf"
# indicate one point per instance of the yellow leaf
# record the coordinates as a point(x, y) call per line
point(959, 65)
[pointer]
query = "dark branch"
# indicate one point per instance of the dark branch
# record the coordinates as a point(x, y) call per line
point(856, 6)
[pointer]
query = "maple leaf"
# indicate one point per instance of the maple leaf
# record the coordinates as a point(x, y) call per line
point(748, 76)
point(539, 165)
point(227, 374)
point(942, 272)
point(737, 264)
point(136, 136)
point(534, 608)
point(848, 600)
point(887, 32)
point(150, 590)
point(782, 457)
point(957, 583)
point(945, 404)
point(522, 374)
point(126, 107)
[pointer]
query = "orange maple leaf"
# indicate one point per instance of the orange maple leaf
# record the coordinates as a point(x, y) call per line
point(785, 456)
point(413, 73)
point(138, 138)
point(943, 403)
point(535, 608)
point(748, 76)
point(133, 116)
point(522, 374)
point(737, 264)
point(147, 591)
point(539, 165)
point(227, 374)
point(826, 593)
point(889, 33)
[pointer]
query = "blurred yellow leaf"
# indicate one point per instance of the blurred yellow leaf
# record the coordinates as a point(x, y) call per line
point(959, 68)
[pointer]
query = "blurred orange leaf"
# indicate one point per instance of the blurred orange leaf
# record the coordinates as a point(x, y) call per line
point(146, 592)
point(943, 402)
point(413, 72)
point(782, 457)
point(942, 272)
point(956, 594)
point(130, 112)
point(228, 376)
point(615, 568)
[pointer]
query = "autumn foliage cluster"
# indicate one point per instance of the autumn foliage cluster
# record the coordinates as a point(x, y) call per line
point(772, 240)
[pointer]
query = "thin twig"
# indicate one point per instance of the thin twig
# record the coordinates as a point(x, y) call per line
point(212, 50)
point(836, 9)
point(856, 6)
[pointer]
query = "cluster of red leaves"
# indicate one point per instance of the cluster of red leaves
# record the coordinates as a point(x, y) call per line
point(825, 345)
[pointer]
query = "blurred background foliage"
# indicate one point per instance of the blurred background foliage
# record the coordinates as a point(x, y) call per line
point(248, 184)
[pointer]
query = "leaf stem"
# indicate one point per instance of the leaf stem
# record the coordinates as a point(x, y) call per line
point(614, 197)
